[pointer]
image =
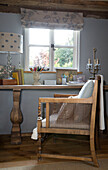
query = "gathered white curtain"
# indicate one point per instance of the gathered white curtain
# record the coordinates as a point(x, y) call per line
point(51, 19)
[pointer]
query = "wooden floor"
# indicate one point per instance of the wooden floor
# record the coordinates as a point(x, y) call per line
point(58, 145)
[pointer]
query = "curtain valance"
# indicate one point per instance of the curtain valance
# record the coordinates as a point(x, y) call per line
point(51, 19)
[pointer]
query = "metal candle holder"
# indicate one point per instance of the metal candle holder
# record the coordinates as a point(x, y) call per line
point(95, 67)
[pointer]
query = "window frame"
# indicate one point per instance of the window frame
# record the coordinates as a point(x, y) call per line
point(76, 50)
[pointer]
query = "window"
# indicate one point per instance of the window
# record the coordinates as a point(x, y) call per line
point(51, 48)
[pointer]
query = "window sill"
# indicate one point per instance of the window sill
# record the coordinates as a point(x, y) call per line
point(48, 72)
point(41, 72)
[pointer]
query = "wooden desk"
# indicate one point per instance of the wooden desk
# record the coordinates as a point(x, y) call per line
point(16, 116)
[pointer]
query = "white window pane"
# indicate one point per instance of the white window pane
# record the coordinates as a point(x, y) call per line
point(39, 56)
point(63, 37)
point(63, 57)
point(39, 36)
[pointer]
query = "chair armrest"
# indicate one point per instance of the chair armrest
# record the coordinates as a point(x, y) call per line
point(64, 95)
point(66, 100)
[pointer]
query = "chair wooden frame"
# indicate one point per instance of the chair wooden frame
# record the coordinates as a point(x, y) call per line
point(91, 132)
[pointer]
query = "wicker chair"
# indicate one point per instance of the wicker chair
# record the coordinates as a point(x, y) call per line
point(48, 129)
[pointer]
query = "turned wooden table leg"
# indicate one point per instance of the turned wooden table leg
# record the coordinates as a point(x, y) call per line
point(39, 125)
point(16, 118)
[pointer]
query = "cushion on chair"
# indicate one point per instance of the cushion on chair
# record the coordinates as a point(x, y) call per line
point(86, 90)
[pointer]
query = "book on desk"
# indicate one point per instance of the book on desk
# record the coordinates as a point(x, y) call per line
point(73, 83)
point(8, 82)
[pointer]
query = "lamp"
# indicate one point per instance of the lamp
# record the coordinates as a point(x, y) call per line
point(10, 43)
point(95, 67)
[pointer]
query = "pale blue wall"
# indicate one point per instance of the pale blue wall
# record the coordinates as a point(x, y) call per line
point(10, 23)
point(94, 34)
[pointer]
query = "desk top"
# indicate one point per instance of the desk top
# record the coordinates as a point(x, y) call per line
point(37, 87)
point(42, 87)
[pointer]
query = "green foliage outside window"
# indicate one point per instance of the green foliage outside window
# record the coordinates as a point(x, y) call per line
point(63, 57)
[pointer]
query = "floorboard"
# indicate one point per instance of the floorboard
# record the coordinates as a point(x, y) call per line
point(27, 151)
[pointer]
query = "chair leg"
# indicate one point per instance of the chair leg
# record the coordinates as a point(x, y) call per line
point(97, 143)
point(39, 147)
point(93, 153)
point(97, 133)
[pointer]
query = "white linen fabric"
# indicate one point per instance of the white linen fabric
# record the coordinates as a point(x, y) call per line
point(51, 19)
point(101, 116)
point(34, 135)
point(86, 91)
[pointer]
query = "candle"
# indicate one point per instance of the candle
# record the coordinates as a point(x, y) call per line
point(89, 61)
point(97, 61)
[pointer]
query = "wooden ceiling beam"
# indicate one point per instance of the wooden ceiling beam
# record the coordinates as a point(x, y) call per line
point(10, 9)
point(60, 4)
point(64, 7)
point(70, 2)
point(90, 8)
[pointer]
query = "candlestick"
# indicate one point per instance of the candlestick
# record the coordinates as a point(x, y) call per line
point(94, 61)
point(95, 67)
point(89, 61)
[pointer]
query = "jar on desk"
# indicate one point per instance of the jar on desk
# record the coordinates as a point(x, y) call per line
point(63, 80)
